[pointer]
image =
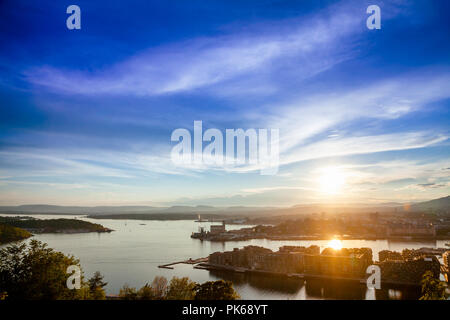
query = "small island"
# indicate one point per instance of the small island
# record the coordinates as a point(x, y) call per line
point(22, 227)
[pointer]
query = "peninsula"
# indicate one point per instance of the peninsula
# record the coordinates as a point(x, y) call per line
point(35, 226)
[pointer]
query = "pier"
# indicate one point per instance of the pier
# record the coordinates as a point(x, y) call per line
point(189, 261)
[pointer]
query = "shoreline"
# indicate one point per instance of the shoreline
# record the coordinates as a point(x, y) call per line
point(324, 238)
point(300, 276)
point(66, 231)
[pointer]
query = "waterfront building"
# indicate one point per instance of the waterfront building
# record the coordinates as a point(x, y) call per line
point(389, 255)
point(215, 229)
point(347, 263)
point(411, 230)
point(409, 270)
point(291, 259)
point(446, 258)
point(407, 267)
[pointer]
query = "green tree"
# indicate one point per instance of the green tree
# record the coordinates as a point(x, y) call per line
point(156, 291)
point(215, 290)
point(181, 289)
point(159, 285)
point(9, 233)
point(146, 293)
point(33, 271)
point(432, 288)
point(96, 285)
point(128, 293)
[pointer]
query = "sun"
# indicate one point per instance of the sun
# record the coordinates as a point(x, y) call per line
point(331, 180)
point(335, 244)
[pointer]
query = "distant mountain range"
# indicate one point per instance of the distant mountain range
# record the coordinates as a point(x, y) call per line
point(436, 204)
point(441, 204)
point(99, 210)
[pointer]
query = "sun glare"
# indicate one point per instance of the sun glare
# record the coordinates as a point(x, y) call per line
point(331, 180)
point(335, 244)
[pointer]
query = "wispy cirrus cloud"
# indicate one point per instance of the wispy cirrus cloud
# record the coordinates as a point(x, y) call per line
point(245, 56)
point(305, 124)
point(363, 145)
point(388, 99)
point(336, 91)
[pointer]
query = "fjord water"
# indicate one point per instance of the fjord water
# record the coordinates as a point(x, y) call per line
point(131, 255)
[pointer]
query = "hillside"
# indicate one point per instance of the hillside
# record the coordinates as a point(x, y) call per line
point(9, 234)
point(441, 204)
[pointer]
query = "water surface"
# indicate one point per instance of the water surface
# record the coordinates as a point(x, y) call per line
point(131, 254)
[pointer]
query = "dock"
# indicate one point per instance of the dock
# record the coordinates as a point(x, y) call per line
point(189, 261)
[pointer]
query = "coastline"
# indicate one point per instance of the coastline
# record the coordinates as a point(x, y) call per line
point(310, 238)
point(301, 276)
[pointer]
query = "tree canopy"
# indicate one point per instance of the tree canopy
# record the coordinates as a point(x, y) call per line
point(33, 272)
point(9, 233)
point(216, 290)
point(180, 289)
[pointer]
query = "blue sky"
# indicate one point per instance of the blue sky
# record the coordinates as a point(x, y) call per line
point(87, 115)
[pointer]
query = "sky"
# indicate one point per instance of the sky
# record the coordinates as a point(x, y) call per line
point(87, 115)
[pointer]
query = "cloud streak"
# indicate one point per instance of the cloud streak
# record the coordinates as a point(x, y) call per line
point(205, 62)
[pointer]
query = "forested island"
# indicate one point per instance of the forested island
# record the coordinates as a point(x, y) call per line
point(19, 228)
point(9, 233)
